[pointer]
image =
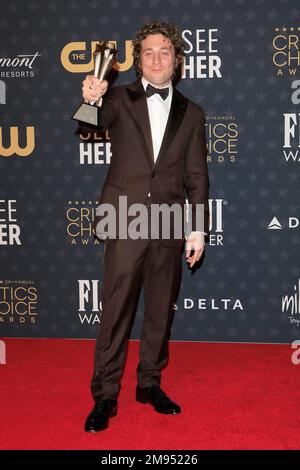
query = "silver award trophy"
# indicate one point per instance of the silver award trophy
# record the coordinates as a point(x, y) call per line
point(104, 58)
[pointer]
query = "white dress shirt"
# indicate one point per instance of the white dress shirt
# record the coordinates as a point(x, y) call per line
point(158, 110)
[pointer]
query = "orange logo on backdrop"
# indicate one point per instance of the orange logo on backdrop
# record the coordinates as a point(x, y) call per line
point(14, 147)
point(77, 52)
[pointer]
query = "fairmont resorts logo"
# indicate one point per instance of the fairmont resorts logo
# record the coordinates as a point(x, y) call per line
point(19, 66)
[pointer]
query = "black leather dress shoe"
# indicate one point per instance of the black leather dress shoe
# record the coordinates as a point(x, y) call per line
point(98, 419)
point(158, 399)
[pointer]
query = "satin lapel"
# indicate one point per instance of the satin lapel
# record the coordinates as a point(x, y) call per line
point(141, 117)
point(177, 111)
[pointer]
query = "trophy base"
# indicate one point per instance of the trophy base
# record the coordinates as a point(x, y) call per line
point(87, 114)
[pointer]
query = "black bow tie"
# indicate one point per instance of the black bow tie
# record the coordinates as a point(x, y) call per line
point(150, 90)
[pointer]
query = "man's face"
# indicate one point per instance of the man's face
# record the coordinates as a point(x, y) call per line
point(157, 59)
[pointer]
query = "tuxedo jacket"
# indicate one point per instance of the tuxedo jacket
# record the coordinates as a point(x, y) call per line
point(180, 170)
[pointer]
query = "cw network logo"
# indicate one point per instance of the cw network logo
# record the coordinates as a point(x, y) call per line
point(293, 222)
point(74, 56)
point(13, 147)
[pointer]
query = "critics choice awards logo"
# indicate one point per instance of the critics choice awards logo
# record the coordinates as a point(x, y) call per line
point(80, 216)
point(222, 139)
point(286, 52)
point(18, 301)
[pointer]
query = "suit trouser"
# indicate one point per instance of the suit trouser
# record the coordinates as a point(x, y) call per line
point(129, 265)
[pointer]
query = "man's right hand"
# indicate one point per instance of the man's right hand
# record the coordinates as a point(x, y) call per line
point(92, 88)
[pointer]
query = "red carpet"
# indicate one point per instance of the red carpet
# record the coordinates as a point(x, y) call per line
point(233, 396)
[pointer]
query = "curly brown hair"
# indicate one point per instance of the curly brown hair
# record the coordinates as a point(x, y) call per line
point(170, 31)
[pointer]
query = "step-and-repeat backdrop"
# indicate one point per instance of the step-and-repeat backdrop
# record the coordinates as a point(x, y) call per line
point(242, 65)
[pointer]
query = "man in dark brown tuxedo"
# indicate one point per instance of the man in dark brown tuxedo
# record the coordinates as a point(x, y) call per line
point(159, 156)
